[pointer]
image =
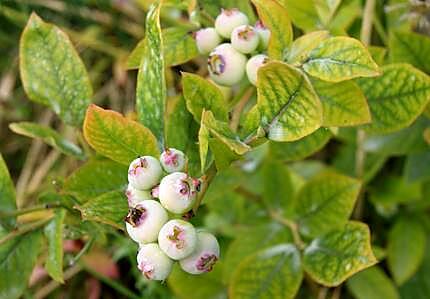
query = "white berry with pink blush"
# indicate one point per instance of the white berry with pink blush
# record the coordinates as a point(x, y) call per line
point(229, 19)
point(135, 196)
point(226, 65)
point(204, 256)
point(144, 221)
point(207, 39)
point(177, 239)
point(144, 173)
point(153, 262)
point(264, 34)
point(178, 192)
point(252, 66)
point(173, 160)
point(245, 39)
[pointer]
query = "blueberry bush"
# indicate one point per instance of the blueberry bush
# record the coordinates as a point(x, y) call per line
point(205, 149)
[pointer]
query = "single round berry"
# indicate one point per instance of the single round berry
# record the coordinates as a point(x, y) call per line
point(177, 239)
point(144, 173)
point(229, 19)
point(264, 34)
point(207, 39)
point(135, 196)
point(173, 160)
point(178, 192)
point(245, 39)
point(153, 263)
point(226, 65)
point(204, 256)
point(252, 66)
point(155, 192)
point(144, 221)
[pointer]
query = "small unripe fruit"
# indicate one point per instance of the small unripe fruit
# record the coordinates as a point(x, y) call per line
point(204, 256)
point(173, 160)
point(153, 263)
point(144, 221)
point(144, 173)
point(245, 39)
point(135, 196)
point(264, 34)
point(226, 65)
point(229, 19)
point(207, 39)
point(178, 192)
point(252, 66)
point(177, 239)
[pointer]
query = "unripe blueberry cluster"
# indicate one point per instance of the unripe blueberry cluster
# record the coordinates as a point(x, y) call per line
point(163, 241)
point(228, 61)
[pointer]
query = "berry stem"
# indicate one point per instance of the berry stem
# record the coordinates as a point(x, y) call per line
point(8, 214)
point(238, 109)
point(291, 225)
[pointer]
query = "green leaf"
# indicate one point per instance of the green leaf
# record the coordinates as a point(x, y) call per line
point(52, 72)
point(372, 283)
point(222, 132)
point(178, 46)
point(95, 178)
point(222, 154)
point(54, 234)
point(406, 248)
point(17, 260)
point(340, 58)
point(200, 95)
point(418, 286)
point(326, 9)
point(117, 137)
point(109, 208)
point(300, 149)
point(251, 240)
point(274, 273)
point(343, 103)
point(151, 82)
point(49, 136)
point(178, 124)
point(275, 17)
point(410, 47)
point(203, 145)
point(378, 54)
point(396, 98)
point(347, 12)
point(289, 107)
point(334, 257)
point(302, 13)
point(7, 195)
point(302, 46)
point(325, 203)
point(416, 167)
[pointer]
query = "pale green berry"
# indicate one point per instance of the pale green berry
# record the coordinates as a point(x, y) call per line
point(177, 239)
point(204, 256)
point(252, 66)
point(135, 196)
point(264, 34)
point(207, 39)
point(178, 192)
point(226, 65)
point(144, 173)
point(144, 222)
point(173, 160)
point(229, 19)
point(153, 263)
point(245, 39)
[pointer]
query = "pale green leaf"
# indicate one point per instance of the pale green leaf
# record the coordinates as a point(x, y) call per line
point(334, 257)
point(340, 58)
point(343, 103)
point(203, 145)
point(48, 136)
point(117, 137)
point(406, 248)
point(396, 98)
point(151, 82)
point(300, 49)
point(52, 72)
point(200, 95)
point(302, 13)
point(325, 203)
point(7, 195)
point(378, 54)
point(326, 9)
point(289, 107)
point(222, 154)
point(274, 273)
point(275, 17)
point(54, 234)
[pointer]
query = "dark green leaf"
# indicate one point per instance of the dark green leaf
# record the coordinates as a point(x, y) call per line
point(418, 287)
point(178, 123)
point(7, 194)
point(417, 167)
point(54, 234)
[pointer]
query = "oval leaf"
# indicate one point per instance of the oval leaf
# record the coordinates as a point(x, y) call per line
point(332, 258)
point(396, 98)
point(116, 137)
point(274, 273)
point(7, 195)
point(289, 107)
point(52, 72)
point(54, 234)
point(302, 46)
point(340, 58)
